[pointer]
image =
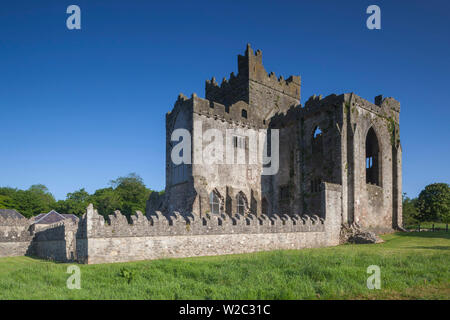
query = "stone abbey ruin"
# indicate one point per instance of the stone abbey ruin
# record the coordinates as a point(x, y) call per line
point(339, 167)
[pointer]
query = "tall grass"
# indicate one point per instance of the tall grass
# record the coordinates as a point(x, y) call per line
point(413, 265)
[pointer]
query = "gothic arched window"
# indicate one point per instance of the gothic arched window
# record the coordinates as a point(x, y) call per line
point(214, 203)
point(241, 203)
point(372, 158)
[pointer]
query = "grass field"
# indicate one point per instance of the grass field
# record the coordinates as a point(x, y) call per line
point(413, 266)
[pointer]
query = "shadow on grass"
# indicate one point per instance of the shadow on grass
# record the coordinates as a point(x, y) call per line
point(425, 234)
point(39, 259)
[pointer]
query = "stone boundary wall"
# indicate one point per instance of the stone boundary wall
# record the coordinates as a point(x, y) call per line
point(109, 250)
point(175, 236)
point(176, 224)
point(94, 240)
point(57, 242)
point(15, 237)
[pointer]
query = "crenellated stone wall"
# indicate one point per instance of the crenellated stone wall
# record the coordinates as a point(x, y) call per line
point(95, 239)
point(174, 236)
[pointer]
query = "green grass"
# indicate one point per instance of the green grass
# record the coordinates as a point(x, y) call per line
point(413, 266)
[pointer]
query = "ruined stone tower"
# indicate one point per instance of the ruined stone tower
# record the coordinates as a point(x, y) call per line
point(341, 139)
point(334, 162)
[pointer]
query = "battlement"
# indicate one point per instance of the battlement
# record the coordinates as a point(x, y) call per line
point(175, 224)
point(381, 106)
point(312, 106)
point(387, 102)
point(181, 102)
point(315, 101)
point(158, 235)
point(249, 98)
point(238, 113)
point(229, 91)
point(251, 65)
point(250, 69)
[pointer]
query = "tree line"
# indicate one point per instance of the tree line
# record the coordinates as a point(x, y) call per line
point(432, 205)
point(126, 194)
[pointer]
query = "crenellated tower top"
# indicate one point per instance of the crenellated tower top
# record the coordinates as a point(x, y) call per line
point(255, 86)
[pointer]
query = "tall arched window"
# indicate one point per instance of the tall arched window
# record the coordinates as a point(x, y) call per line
point(214, 203)
point(241, 203)
point(372, 158)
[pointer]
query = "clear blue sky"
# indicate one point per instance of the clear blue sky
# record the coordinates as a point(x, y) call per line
point(81, 107)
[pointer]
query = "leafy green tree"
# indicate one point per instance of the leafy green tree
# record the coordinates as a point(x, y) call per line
point(132, 192)
point(106, 201)
point(37, 199)
point(60, 206)
point(433, 203)
point(75, 203)
point(8, 192)
point(8, 198)
point(126, 194)
point(6, 202)
point(410, 212)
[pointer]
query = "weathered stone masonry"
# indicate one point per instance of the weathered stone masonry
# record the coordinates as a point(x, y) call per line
point(341, 139)
point(174, 236)
point(340, 166)
point(15, 237)
point(96, 240)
